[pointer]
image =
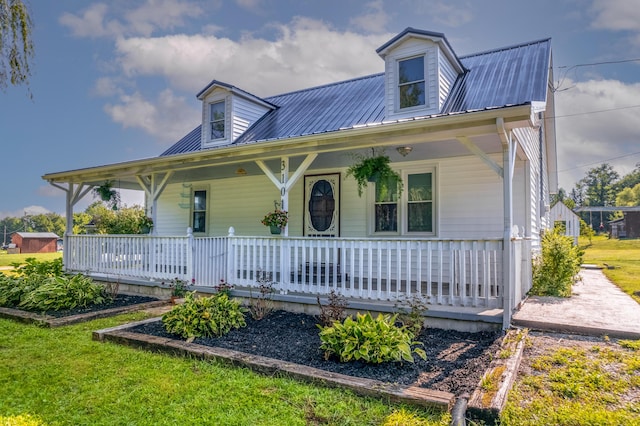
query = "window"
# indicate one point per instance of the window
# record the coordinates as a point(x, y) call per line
point(199, 215)
point(386, 207)
point(419, 203)
point(413, 212)
point(216, 119)
point(411, 82)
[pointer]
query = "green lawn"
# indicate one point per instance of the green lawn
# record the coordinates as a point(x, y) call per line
point(623, 255)
point(8, 259)
point(60, 376)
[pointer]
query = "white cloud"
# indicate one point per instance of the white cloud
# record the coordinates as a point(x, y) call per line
point(306, 53)
point(28, 210)
point(375, 20)
point(617, 15)
point(250, 5)
point(97, 20)
point(168, 117)
point(587, 138)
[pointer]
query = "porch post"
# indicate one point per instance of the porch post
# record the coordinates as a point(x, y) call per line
point(507, 184)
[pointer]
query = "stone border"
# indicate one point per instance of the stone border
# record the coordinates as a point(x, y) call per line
point(367, 387)
point(487, 401)
point(51, 321)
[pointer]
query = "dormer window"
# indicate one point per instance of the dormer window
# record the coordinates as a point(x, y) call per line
point(216, 120)
point(411, 82)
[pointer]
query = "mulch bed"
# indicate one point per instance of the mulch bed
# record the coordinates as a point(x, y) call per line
point(455, 361)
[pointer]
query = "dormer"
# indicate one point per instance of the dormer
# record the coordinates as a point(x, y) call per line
point(227, 112)
point(420, 69)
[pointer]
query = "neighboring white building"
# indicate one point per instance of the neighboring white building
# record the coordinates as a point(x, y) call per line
point(473, 138)
point(562, 215)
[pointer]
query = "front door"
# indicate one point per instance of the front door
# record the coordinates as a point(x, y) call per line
point(322, 205)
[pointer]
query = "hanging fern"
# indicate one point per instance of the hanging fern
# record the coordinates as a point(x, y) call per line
point(108, 194)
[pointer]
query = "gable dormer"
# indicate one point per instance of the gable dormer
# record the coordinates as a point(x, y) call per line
point(227, 112)
point(420, 69)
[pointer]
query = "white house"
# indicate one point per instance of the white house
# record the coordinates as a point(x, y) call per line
point(472, 137)
point(561, 215)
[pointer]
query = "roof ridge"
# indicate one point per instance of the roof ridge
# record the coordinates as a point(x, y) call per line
point(337, 83)
point(502, 49)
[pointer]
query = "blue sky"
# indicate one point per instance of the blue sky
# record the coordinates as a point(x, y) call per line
point(116, 80)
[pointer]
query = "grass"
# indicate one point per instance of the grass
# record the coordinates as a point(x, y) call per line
point(623, 255)
point(597, 385)
point(9, 259)
point(60, 376)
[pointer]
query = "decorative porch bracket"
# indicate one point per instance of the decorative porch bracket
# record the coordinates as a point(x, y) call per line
point(153, 189)
point(464, 140)
point(74, 194)
point(284, 182)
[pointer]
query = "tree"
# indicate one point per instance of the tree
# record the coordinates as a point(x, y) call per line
point(561, 197)
point(16, 47)
point(629, 180)
point(629, 197)
point(599, 186)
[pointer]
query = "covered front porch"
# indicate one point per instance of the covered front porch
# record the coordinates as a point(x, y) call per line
point(463, 275)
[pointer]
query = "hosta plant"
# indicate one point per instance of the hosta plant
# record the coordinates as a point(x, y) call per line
point(66, 292)
point(368, 339)
point(204, 316)
point(32, 266)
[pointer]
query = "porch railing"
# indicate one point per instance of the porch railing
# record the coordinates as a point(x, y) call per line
point(447, 272)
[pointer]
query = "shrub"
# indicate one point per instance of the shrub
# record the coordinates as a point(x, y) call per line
point(204, 316)
point(262, 305)
point(334, 310)
point(556, 268)
point(32, 266)
point(370, 340)
point(56, 293)
point(13, 290)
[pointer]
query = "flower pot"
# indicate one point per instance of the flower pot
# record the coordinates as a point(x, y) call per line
point(275, 230)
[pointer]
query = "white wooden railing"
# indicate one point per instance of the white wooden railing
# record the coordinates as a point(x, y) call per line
point(447, 272)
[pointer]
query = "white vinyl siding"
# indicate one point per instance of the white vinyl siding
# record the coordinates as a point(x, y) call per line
point(245, 113)
point(448, 77)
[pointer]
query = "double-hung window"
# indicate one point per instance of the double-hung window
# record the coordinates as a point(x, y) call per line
point(216, 120)
point(199, 211)
point(412, 212)
point(411, 82)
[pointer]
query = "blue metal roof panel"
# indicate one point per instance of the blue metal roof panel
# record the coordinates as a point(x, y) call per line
point(514, 75)
point(509, 76)
point(189, 143)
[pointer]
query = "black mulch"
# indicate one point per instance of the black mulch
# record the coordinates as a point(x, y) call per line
point(119, 301)
point(455, 360)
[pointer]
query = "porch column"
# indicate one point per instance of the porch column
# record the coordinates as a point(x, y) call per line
point(508, 160)
point(73, 195)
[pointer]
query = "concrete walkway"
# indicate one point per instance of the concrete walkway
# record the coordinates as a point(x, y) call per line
point(596, 308)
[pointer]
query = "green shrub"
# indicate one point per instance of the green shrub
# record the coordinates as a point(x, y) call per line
point(370, 340)
point(556, 268)
point(13, 289)
point(56, 293)
point(204, 316)
point(32, 266)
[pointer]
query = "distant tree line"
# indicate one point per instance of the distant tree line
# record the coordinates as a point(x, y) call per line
point(602, 186)
point(98, 218)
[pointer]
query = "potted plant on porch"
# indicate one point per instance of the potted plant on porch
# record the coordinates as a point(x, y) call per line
point(276, 220)
point(374, 168)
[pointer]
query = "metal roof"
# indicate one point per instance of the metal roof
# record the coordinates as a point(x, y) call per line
point(37, 235)
point(509, 76)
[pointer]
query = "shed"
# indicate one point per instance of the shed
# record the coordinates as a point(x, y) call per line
point(35, 242)
point(563, 216)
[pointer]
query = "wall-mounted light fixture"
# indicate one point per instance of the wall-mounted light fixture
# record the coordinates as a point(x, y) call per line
point(241, 171)
point(404, 150)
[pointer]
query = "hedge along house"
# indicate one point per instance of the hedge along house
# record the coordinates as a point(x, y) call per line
point(472, 138)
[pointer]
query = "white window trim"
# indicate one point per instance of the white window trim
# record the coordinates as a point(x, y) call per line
point(207, 225)
point(210, 119)
point(403, 203)
point(425, 71)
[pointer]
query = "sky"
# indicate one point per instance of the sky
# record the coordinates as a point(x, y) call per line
point(117, 80)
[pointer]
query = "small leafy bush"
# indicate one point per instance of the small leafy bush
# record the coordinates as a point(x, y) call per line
point(204, 316)
point(14, 289)
point(56, 293)
point(262, 305)
point(334, 310)
point(370, 340)
point(32, 266)
point(556, 269)
point(411, 312)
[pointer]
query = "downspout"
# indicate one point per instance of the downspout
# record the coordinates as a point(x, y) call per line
point(507, 267)
point(541, 166)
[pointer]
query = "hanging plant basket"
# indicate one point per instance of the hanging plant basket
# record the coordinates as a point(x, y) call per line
point(374, 169)
point(108, 194)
